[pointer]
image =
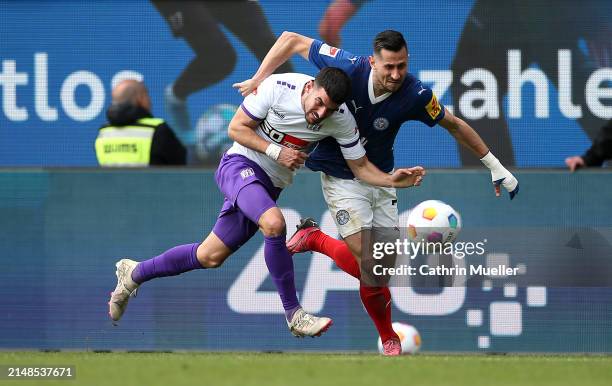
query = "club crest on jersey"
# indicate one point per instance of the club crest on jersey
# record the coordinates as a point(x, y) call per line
point(433, 107)
point(314, 127)
point(328, 50)
point(381, 123)
point(342, 216)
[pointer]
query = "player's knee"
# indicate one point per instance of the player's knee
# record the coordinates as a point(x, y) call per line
point(272, 225)
point(210, 259)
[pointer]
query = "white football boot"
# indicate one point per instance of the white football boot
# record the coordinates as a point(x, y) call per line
point(125, 288)
point(304, 324)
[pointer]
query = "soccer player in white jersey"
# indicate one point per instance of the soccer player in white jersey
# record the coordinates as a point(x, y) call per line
point(384, 96)
point(271, 130)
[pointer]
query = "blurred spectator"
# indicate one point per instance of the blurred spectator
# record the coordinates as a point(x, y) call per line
point(132, 137)
point(598, 153)
point(199, 23)
point(337, 14)
point(538, 29)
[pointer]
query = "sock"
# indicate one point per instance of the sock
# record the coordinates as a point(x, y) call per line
point(336, 249)
point(170, 263)
point(377, 302)
point(280, 265)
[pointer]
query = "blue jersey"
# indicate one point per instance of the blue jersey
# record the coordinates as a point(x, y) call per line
point(378, 119)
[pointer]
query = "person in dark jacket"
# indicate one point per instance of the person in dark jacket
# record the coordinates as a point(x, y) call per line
point(133, 137)
point(597, 154)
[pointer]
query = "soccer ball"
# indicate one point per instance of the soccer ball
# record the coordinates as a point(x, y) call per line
point(211, 132)
point(433, 221)
point(409, 337)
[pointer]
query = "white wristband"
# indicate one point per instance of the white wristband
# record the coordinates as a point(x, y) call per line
point(491, 161)
point(273, 151)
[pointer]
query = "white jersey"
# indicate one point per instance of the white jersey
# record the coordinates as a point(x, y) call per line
point(278, 105)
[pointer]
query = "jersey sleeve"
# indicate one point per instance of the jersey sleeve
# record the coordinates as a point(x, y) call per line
point(257, 105)
point(323, 55)
point(347, 135)
point(427, 108)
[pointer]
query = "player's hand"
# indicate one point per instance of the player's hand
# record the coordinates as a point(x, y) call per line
point(502, 177)
point(574, 163)
point(291, 158)
point(406, 177)
point(247, 87)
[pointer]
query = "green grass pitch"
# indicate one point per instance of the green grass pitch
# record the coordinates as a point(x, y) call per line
point(313, 369)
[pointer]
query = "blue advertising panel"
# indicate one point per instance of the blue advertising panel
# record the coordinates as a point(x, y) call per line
point(534, 83)
point(62, 231)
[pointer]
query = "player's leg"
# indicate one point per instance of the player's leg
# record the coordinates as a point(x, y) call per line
point(350, 207)
point(247, 21)
point(378, 297)
point(256, 203)
point(231, 231)
point(131, 274)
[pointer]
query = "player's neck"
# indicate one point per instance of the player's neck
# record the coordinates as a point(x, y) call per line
point(378, 91)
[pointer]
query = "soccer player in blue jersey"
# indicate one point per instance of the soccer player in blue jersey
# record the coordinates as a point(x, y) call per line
point(384, 96)
point(271, 130)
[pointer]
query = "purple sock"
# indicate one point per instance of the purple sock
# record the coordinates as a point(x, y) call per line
point(170, 263)
point(280, 265)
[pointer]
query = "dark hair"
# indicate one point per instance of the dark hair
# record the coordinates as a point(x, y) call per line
point(336, 84)
point(389, 40)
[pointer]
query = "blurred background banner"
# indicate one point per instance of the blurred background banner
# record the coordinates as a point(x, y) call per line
point(533, 77)
point(61, 231)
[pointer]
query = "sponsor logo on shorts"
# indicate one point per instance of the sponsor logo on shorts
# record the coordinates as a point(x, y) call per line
point(381, 123)
point(433, 107)
point(342, 216)
point(246, 173)
point(328, 50)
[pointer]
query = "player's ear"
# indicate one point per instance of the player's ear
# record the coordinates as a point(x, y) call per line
point(372, 60)
point(308, 86)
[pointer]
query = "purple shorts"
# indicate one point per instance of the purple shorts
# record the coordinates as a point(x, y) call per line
point(235, 226)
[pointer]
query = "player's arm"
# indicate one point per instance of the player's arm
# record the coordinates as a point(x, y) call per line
point(249, 115)
point(367, 172)
point(287, 45)
point(347, 136)
point(464, 134)
point(242, 130)
point(468, 137)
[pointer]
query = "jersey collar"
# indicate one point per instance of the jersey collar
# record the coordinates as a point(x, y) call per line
point(374, 100)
